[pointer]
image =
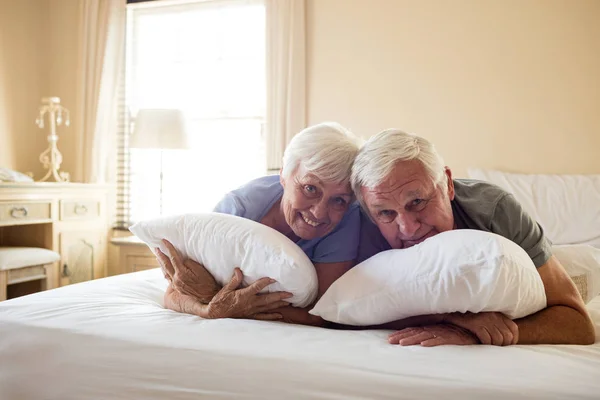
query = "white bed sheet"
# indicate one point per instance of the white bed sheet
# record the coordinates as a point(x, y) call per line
point(112, 339)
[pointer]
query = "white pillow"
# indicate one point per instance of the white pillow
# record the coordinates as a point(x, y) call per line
point(582, 263)
point(454, 271)
point(566, 206)
point(222, 242)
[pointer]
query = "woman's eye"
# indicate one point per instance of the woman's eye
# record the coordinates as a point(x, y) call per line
point(310, 188)
point(416, 202)
point(339, 201)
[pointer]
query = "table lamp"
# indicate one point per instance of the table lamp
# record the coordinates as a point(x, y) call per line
point(161, 129)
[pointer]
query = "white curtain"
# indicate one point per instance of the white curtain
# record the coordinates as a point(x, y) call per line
point(286, 76)
point(101, 48)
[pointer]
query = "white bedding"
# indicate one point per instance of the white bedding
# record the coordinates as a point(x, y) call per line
point(112, 339)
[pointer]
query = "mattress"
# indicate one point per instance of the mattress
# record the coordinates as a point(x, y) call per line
point(112, 339)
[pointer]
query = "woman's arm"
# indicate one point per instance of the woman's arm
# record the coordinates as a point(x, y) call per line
point(228, 302)
point(327, 273)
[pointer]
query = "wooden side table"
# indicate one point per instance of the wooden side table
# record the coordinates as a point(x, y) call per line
point(134, 255)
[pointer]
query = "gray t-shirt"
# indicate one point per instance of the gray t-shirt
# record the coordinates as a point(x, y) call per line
point(482, 206)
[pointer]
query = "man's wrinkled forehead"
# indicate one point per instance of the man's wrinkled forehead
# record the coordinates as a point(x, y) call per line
point(380, 193)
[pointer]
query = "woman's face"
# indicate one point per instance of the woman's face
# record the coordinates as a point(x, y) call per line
point(313, 208)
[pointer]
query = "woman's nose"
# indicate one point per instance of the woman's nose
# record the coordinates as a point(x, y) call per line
point(319, 210)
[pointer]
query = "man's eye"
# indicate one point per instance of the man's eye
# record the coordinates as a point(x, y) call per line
point(387, 215)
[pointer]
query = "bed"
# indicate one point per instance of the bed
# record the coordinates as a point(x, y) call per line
point(113, 339)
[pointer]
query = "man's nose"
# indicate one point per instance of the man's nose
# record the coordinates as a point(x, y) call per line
point(408, 225)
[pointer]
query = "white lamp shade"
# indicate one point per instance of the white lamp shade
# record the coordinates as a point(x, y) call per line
point(159, 129)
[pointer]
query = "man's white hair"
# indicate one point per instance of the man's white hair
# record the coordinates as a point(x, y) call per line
point(383, 151)
point(327, 150)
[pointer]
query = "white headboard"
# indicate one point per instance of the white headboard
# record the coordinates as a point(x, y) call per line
point(566, 206)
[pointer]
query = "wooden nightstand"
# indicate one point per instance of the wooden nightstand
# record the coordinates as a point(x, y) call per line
point(134, 255)
point(68, 218)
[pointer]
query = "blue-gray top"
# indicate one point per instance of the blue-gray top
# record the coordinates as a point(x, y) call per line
point(254, 200)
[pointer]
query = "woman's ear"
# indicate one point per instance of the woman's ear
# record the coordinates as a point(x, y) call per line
point(281, 180)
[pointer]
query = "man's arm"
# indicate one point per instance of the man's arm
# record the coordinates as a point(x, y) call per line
point(565, 320)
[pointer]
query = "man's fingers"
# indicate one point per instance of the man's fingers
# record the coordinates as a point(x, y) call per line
point(507, 335)
point(396, 337)
point(259, 285)
point(497, 336)
point(483, 335)
point(514, 328)
point(236, 280)
point(417, 338)
point(268, 316)
point(410, 336)
point(436, 341)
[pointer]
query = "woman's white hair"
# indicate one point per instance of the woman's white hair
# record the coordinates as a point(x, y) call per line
point(327, 150)
point(381, 152)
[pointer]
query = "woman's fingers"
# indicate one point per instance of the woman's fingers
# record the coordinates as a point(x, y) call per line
point(268, 316)
point(270, 298)
point(236, 280)
point(259, 285)
point(173, 254)
point(165, 264)
point(270, 307)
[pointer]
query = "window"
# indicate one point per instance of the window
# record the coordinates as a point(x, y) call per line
point(206, 58)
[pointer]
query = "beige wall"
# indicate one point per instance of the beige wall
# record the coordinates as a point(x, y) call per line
point(511, 84)
point(38, 58)
point(23, 54)
point(64, 47)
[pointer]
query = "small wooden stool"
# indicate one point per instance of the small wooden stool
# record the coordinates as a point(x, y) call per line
point(23, 264)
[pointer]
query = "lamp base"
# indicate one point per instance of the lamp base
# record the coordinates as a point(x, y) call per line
point(51, 159)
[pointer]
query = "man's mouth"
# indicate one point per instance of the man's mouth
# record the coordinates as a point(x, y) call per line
point(412, 242)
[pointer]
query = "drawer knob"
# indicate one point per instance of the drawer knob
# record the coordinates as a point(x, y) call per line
point(80, 209)
point(18, 212)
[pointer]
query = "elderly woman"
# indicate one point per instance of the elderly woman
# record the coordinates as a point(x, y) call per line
point(311, 202)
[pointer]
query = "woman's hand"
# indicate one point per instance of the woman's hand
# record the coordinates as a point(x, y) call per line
point(301, 316)
point(231, 302)
point(182, 303)
point(191, 282)
point(187, 276)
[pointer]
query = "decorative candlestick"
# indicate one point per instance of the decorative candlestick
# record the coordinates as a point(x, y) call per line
point(51, 157)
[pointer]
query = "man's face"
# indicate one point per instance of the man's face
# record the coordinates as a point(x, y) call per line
point(408, 207)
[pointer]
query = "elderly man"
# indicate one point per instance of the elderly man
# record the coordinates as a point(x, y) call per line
point(408, 195)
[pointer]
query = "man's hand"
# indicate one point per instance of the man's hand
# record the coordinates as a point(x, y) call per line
point(490, 327)
point(433, 335)
point(187, 276)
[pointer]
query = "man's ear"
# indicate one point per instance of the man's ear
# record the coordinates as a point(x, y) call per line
point(450, 185)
